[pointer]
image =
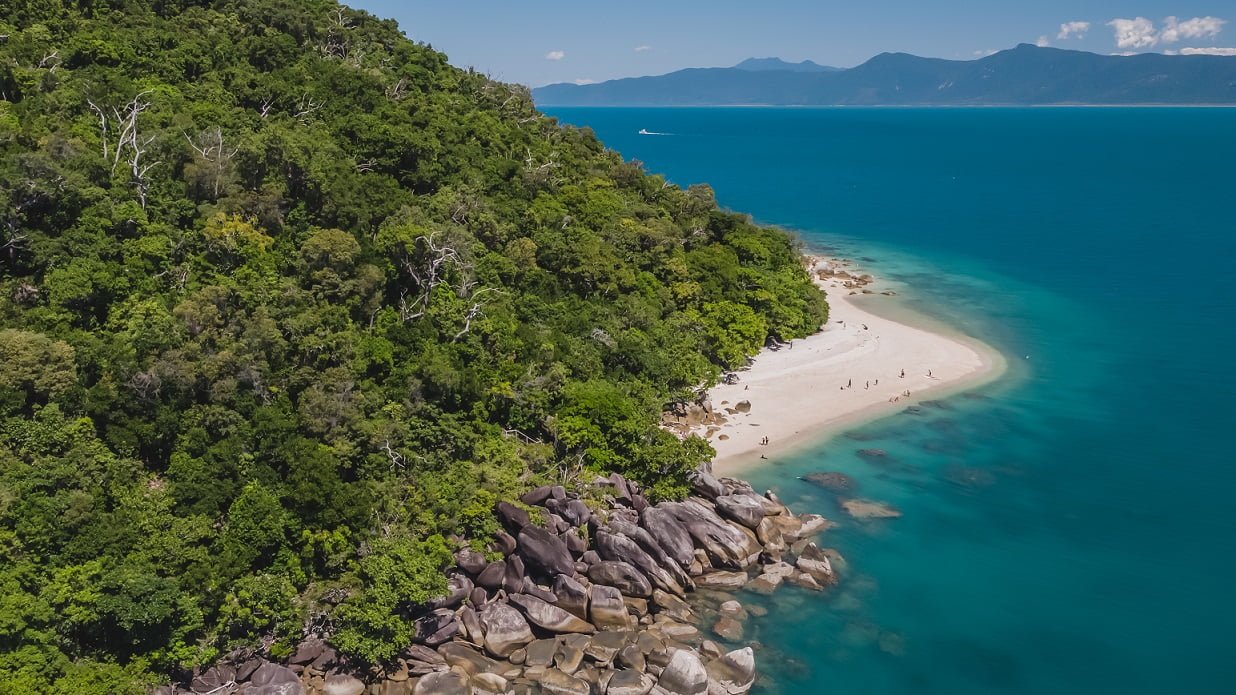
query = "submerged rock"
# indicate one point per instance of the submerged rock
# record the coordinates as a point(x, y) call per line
point(831, 480)
point(867, 509)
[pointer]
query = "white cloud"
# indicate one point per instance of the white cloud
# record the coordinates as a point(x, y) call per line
point(1070, 30)
point(985, 53)
point(1141, 32)
point(643, 47)
point(1125, 54)
point(555, 55)
point(1196, 28)
point(583, 80)
point(1043, 42)
point(1205, 51)
point(1134, 33)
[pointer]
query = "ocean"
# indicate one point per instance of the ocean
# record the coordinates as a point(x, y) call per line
point(1068, 528)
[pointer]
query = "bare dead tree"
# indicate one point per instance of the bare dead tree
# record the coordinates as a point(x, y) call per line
point(340, 19)
point(429, 266)
point(209, 146)
point(477, 310)
point(50, 61)
point(98, 110)
point(336, 44)
point(395, 457)
point(366, 165)
point(306, 107)
point(130, 145)
point(179, 276)
point(395, 92)
point(267, 104)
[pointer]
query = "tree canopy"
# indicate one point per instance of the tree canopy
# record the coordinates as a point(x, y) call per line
point(287, 303)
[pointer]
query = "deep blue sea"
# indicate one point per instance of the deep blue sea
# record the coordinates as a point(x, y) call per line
point(1072, 527)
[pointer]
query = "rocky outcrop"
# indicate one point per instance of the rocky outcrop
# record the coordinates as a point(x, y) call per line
point(577, 598)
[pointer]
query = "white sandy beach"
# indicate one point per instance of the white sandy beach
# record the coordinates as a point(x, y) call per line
point(847, 373)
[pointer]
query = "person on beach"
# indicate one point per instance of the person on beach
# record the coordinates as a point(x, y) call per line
point(903, 374)
point(877, 382)
point(929, 374)
point(868, 386)
point(849, 384)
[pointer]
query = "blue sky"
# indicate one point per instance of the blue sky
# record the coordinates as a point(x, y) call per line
point(537, 42)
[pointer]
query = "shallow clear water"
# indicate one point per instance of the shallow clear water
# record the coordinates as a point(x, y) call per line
point(1069, 528)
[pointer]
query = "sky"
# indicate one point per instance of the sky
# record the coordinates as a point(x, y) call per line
point(538, 42)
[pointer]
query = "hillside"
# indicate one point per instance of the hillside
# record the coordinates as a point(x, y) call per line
point(289, 304)
point(1026, 75)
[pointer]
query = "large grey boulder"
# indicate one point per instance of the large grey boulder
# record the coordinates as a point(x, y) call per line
point(733, 673)
point(443, 683)
point(576, 512)
point(436, 628)
point(505, 629)
point(817, 567)
point(604, 646)
point(470, 625)
point(811, 525)
point(215, 679)
point(684, 674)
point(769, 535)
point(619, 548)
point(513, 575)
point(725, 544)
point(460, 656)
point(622, 576)
point(629, 683)
point(342, 684)
point(669, 533)
point(571, 596)
point(549, 617)
point(744, 508)
point(491, 577)
point(545, 551)
point(458, 588)
point(705, 484)
point(512, 517)
point(653, 548)
point(536, 496)
point(555, 682)
point(606, 609)
point(541, 652)
point(273, 679)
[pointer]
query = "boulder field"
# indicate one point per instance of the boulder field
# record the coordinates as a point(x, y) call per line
point(588, 598)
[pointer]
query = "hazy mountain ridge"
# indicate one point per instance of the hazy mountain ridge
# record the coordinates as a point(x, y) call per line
point(1025, 75)
point(774, 64)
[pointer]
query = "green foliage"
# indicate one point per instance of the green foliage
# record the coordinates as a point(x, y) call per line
point(333, 301)
point(398, 574)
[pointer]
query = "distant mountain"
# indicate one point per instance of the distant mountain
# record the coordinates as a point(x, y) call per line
point(767, 64)
point(1024, 75)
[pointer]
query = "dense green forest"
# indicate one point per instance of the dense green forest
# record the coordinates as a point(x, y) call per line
point(287, 303)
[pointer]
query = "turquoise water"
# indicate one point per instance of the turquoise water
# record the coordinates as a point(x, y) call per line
point(1069, 528)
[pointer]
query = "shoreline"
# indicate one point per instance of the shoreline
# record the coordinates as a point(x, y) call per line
point(798, 394)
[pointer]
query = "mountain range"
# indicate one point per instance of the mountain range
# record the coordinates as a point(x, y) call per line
point(1024, 75)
